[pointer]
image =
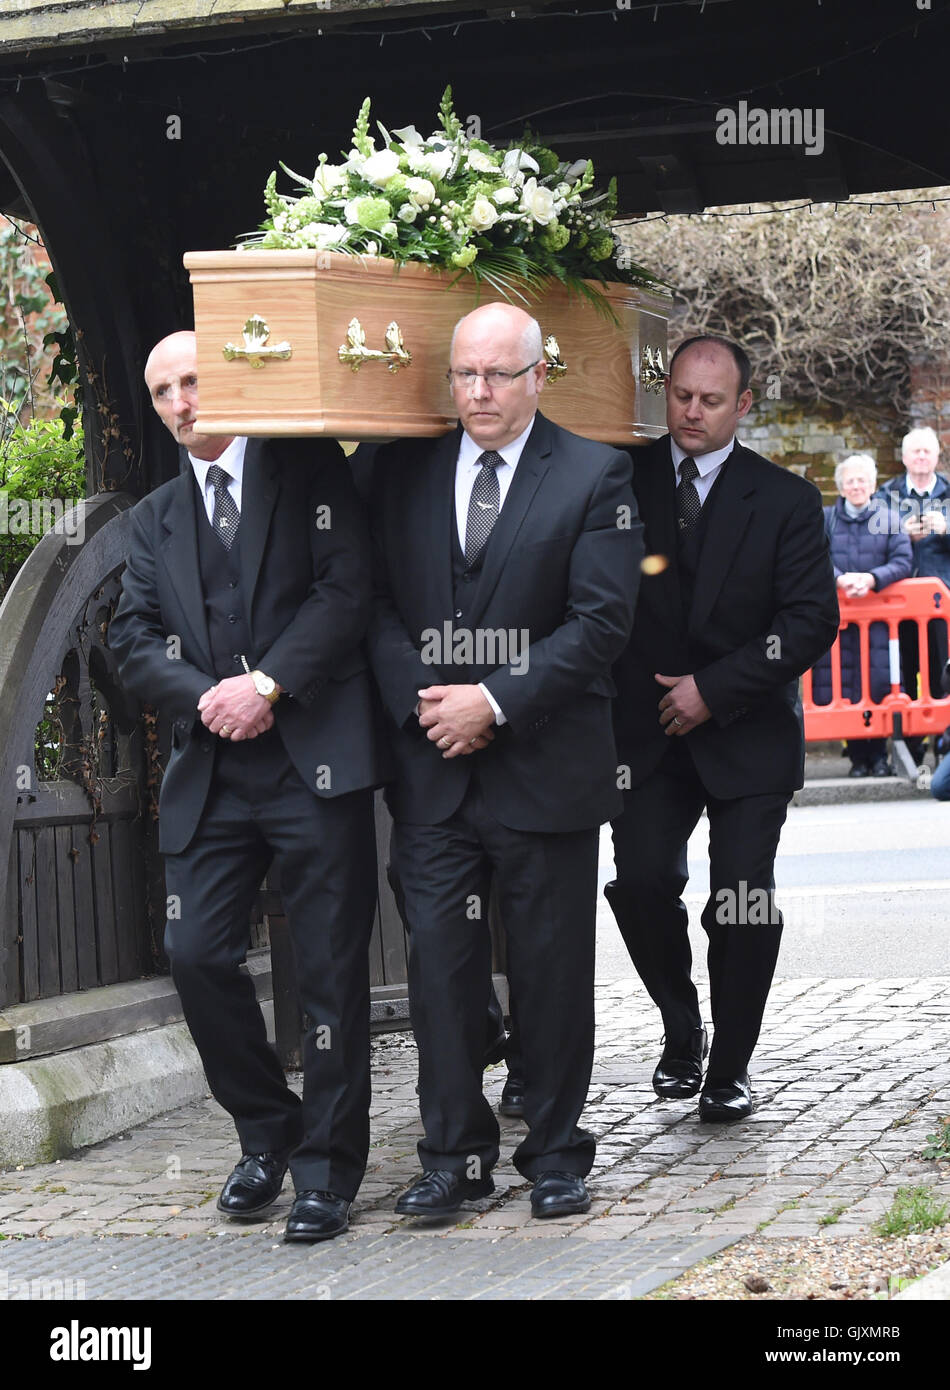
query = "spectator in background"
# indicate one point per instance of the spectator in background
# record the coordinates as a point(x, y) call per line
point(866, 557)
point(940, 782)
point(919, 503)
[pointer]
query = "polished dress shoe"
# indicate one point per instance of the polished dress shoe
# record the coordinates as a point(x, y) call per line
point(512, 1098)
point(559, 1194)
point(440, 1193)
point(679, 1071)
point(881, 768)
point(725, 1099)
point(254, 1184)
point(317, 1216)
point(859, 770)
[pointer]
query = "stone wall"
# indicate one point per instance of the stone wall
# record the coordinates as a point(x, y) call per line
point(812, 439)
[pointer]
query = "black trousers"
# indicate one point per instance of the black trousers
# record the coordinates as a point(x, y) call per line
point(740, 919)
point(547, 887)
point(259, 808)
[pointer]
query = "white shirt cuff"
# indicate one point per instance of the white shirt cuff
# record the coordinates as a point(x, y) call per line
point(499, 717)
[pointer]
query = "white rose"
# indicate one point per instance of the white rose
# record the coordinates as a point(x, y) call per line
point(389, 229)
point(504, 196)
point(421, 191)
point(380, 167)
point(537, 202)
point(435, 164)
point(407, 213)
point(483, 214)
point(327, 178)
point(327, 234)
point(350, 213)
point(481, 162)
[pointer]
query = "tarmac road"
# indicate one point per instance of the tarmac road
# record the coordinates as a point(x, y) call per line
point(864, 887)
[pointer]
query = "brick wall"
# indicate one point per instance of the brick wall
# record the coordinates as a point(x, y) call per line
point(812, 439)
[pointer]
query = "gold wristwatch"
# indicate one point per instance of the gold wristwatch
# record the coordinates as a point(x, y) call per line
point(264, 685)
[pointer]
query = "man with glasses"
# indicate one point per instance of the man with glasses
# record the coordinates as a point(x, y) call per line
point(507, 566)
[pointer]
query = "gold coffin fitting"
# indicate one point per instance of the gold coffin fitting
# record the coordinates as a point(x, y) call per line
point(652, 372)
point(255, 349)
point(355, 352)
point(557, 367)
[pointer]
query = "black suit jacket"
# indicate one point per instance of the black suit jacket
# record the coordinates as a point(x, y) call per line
point(562, 564)
point(764, 610)
point(307, 589)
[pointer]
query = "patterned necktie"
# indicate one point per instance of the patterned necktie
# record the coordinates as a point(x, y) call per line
point(226, 517)
point(688, 505)
point(483, 507)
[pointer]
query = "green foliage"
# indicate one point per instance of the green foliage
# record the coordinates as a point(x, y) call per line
point(938, 1144)
point(38, 461)
point(914, 1209)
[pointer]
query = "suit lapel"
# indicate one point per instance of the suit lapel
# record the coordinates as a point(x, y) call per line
point(180, 556)
point(735, 491)
point(259, 489)
point(440, 518)
point(532, 466)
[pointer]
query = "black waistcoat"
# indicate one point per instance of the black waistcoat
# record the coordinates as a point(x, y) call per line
point(223, 596)
point(464, 577)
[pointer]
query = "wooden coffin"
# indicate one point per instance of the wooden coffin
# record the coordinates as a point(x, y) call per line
point(274, 327)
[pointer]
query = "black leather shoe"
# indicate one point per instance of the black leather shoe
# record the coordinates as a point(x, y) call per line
point(317, 1216)
point(512, 1098)
point(559, 1194)
point(440, 1193)
point(254, 1184)
point(679, 1071)
point(859, 770)
point(724, 1100)
point(881, 768)
point(496, 1052)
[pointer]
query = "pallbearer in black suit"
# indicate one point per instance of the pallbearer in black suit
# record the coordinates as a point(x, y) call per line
point(738, 600)
point(244, 603)
point(508, 557)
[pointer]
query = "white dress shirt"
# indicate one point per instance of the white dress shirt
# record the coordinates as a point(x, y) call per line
point(232, 461)
point(709, 465)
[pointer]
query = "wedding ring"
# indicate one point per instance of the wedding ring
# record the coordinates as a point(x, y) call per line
point(224, 731)
point(444, 742)
point(677, 722)
point(473, 741)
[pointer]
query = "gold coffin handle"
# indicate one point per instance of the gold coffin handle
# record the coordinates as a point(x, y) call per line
point(557, 367)
point(355, 352)
point(652, 371)
point(255, 349)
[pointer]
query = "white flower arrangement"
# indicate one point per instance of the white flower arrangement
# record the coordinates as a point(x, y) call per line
point(512, 217)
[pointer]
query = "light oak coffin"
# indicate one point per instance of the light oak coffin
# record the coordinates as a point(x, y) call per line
point(294, 381)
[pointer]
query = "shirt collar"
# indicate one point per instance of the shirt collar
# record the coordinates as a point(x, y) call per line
point(705, 463)
point(470, 452)
point(914, 491)
point(232, 461)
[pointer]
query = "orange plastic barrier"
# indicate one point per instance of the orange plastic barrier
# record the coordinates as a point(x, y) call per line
point(918, 601)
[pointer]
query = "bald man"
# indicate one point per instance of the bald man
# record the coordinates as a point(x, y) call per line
point(244, 602)
point(507, 560)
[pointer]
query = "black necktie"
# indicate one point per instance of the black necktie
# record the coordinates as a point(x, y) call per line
point(688, 505)
point(226, 517)
point(483, 507)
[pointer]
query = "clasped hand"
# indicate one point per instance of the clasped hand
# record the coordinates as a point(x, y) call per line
point(233, 705)
point(457, 718)
point(682, 707)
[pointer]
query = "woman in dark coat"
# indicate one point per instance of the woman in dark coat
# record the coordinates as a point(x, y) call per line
point(867, 555)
